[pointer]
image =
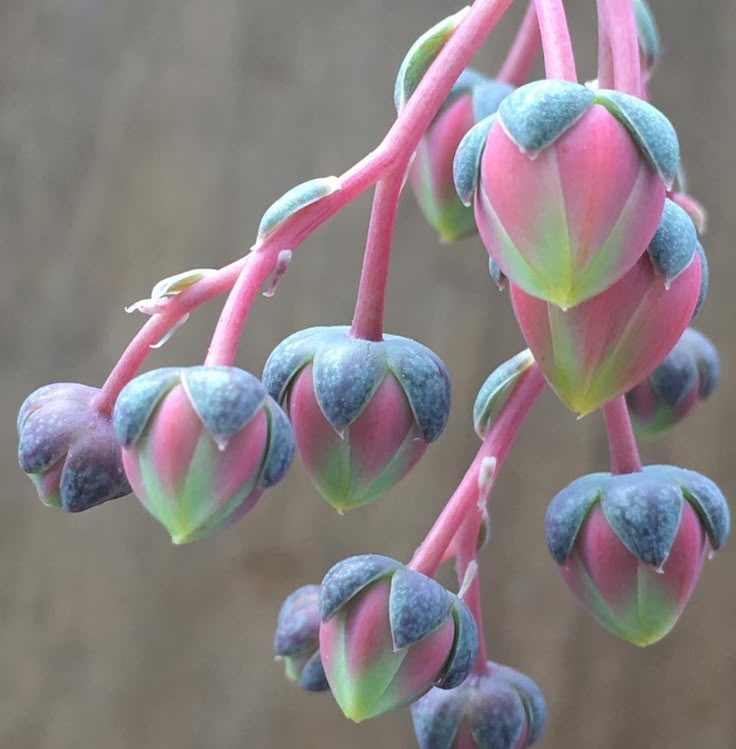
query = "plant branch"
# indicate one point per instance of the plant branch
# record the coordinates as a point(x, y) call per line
point(624, 452)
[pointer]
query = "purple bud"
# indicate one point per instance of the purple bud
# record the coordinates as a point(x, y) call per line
point(68, 448)
point(499, 709)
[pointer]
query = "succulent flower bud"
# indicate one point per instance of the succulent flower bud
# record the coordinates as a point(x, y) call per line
point(297, 639)
point(363, 412)
point(688, 375)
point(68, 448)
point(472, 98)
point(499, 709)
point(601, 348)
point(631, 546)
point(200, 444)
point(590, 171)
point(389, 634)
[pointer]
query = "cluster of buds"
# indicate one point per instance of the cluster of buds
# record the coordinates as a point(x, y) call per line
point(578, 196)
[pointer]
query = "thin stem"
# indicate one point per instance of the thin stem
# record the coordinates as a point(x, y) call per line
point(397, 146)
point(429, 555)
point(368, 317)
point(624, 452)
point(619, 22)
point(559, 60)
point(605, 56)
point(517, 67)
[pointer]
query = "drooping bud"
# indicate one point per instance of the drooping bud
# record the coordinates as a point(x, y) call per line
point(688, 375)
point(389, 634)
point(363, 412)
point(601, 348)
point(500, 709)
point(200, 445)
point(631, 547)
point(472, 98)
point(297, 639)
point(589, 167)
point(68, 448)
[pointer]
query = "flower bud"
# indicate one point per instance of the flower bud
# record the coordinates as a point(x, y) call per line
point(601, 348)
point(499, 709)
point(631, 546)
point(472, 98)
point(363, 412)
point(297, 639)
point(688, 375)
point(389, 634)
point(68, 449)
point(590, 170)
point(200, 444)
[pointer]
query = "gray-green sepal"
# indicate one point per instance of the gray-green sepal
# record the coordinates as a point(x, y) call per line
point(673, 245)
point(425, 380)
point(224, 398)
point(281, 446)
point(675, 377)
point(498, 276)
point(495, 391)
point(421, 55)
point(313, 678)
point(567, 511)
point(464, 649)
point(644, 510)
point(647, 33)
point(487, 98)
point(348, 577)
point(138, 400)
point(346, 374)
point(466, 163)
point(418, 606)
point(650, 129)
point(295, 200)
point(704, 279)
point(535, 115)
point(468, 80)
point(709, 503)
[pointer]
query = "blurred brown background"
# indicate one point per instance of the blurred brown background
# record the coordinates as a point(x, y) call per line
point(143, 137)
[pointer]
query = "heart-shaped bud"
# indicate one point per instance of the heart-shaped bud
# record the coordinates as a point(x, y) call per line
point(389, 634)
point(499, 709)
point(68, 448)
point(571, 187)
point(472, 98)
point(688, 375)
point(297, 639)
point(631, 547)
point(601, 348)
point(200, 445)
point(363, 412)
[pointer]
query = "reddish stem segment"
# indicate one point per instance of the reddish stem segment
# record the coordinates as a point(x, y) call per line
point(368, 317)
point(605, 56)
point(397, 146)
point(518, 64)
point(559, 60)
point(429, 555)
point(624, 452)
point(619, 22)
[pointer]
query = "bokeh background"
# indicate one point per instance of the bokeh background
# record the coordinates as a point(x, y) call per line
point(144, 137)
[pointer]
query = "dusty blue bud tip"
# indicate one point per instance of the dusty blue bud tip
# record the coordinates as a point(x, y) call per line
point(281, 445)
point(675, 377)
point(418, 605)
point(297, 630)
point(710, 504)
point(464, 649)
point(673, 245)
point(466, 162)
point(707, 360)
point(313, 678)
point(349, 577)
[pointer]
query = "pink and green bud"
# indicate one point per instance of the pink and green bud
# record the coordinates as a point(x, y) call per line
point(363, 412)
point(297, 639)
point(568, 186)
point(631, 547)
point(688, 375)
point(200, 445)
point(389, 634)
point(603, 347)
point(472, 98)
point(68, 448)
point(499, 709)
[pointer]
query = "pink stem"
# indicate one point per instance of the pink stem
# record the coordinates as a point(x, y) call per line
point(397, 147)
point(559, 60)
point(518, 64)
point(624, 452)
point(429, 555)
point(619, 22)
point(605, 56)
point(368, 317)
